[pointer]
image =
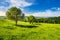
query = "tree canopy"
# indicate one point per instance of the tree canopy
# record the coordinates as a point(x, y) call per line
point(31, 18)
point(14, 13)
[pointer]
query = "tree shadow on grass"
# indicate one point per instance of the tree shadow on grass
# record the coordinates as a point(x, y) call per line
point(27, 26)
point(1, 38)
point(37, 24)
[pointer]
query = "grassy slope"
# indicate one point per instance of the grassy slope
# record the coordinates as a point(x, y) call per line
point(43, 31)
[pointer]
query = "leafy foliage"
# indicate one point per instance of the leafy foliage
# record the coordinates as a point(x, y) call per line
point(30, 19)
point(49, 20)
point(13, 13)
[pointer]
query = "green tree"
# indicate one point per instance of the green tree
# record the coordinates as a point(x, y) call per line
point(14, 13)
point(22, 17)
point(31, 19)
point(26, 19)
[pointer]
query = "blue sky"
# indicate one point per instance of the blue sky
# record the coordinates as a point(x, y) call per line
point(41, 8)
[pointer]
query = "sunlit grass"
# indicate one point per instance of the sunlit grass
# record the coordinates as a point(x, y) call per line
point(42, 31)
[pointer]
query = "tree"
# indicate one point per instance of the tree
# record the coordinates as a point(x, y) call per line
point(26, 19)
point(22, 17)
point(14, 13)
point(31, 19)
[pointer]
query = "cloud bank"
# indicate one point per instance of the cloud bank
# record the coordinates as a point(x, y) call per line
point(2, 13)
point(47, 13)
point(13, 3)
point(22, 4)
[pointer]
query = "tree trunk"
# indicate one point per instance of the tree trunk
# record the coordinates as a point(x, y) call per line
point(16, 20)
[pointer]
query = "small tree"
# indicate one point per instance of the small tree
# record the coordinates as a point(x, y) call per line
point(13, 13)
point(26, 19)
point(31, 19)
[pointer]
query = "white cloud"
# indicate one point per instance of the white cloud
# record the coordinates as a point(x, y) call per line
point(2, 13)
point(47, 13)
point(23, 3)
point(19, 3)
point(56, 8)
point(3, 8)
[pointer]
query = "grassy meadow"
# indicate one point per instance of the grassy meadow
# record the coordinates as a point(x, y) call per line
point(27, 31)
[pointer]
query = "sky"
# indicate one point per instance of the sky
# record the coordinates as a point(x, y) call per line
point(38, 8)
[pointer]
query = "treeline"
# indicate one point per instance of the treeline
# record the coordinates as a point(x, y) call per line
point(45, 20)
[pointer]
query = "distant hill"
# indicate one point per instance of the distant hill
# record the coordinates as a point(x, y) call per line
point(2, 17)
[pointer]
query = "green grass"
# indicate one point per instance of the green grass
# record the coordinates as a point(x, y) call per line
point(27, 31)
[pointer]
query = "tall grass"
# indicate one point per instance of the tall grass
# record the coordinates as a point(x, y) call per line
point(26, 31)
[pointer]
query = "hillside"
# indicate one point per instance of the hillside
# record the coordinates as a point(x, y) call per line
point(27, 31)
